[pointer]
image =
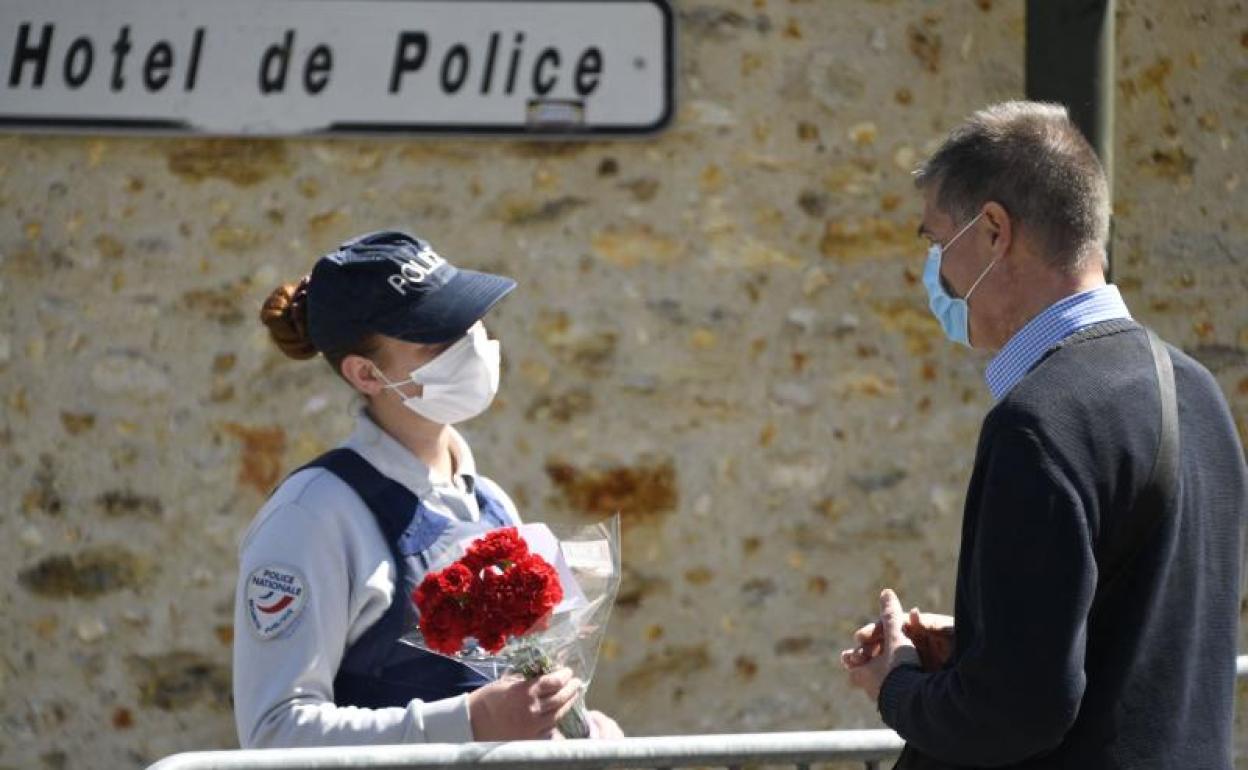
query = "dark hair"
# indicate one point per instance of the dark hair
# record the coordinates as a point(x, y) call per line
point(285, 314)
point(1030, 158)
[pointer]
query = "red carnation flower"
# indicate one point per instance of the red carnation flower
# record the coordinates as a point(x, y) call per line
point(456, 580)
point(496, 549)
point(497, 590)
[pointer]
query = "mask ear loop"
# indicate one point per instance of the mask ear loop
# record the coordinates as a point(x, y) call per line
point(981, 278)
point(392, 385)
point(467, 339)
point(965, 227)
point(987, 270)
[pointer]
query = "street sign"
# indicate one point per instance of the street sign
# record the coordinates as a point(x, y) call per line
point(295, 67)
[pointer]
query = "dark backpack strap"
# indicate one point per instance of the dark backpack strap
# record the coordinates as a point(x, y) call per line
point(393, 507)
point(378, 491)
point(1166, 465)
point(1163, 482)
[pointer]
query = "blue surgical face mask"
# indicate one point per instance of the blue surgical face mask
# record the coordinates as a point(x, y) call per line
point(952, 312)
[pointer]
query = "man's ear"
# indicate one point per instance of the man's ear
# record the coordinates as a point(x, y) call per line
point(362, 374)
point(1000, 228)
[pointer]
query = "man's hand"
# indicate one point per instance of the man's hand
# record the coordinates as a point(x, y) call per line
point(880, 649)
point(933, 637)
point(868, 643)
point(518, 709)
point(931, 633)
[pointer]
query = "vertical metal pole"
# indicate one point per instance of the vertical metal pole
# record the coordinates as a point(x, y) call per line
point(1070, 60)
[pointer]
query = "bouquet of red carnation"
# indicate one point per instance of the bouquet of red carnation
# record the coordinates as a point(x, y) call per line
point(517, 599)
point(499, 589)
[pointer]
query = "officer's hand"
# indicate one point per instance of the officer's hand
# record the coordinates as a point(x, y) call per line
point(518, 709)
point(603, 726)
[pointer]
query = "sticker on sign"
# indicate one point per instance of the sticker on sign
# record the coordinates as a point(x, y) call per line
point(294, 67)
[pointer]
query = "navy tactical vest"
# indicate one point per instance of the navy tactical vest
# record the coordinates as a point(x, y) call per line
point(378, 670)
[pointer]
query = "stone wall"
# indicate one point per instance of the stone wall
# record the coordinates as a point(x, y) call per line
point(720, 332)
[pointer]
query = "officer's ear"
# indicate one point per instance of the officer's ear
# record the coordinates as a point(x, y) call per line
point(362, 374)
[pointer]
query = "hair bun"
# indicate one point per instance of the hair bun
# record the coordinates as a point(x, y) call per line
point(285, 314)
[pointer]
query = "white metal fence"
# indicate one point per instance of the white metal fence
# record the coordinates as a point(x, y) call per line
point(732, 751)
point(801, 750)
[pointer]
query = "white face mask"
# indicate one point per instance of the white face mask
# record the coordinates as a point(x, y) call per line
point(457, 385)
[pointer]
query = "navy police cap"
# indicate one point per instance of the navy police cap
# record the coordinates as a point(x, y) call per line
point(392, 283)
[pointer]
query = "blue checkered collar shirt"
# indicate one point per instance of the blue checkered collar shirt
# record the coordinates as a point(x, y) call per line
point(1060, 320)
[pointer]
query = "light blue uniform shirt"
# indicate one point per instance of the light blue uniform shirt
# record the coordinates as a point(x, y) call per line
point(1060, 320)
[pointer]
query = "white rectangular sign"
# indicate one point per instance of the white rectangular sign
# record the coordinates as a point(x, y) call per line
point(283, 67)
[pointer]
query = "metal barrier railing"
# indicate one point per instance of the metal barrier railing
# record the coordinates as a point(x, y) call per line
point(732, 751)
point(661, 753)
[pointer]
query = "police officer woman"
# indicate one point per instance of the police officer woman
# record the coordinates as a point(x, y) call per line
point(328, 564)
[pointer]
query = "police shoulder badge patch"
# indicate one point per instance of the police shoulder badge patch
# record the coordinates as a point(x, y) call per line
point(275, 597)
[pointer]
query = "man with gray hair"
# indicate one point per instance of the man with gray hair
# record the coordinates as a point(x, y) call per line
point(1098, 582)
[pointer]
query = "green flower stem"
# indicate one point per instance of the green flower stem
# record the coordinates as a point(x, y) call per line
point(531, 662)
